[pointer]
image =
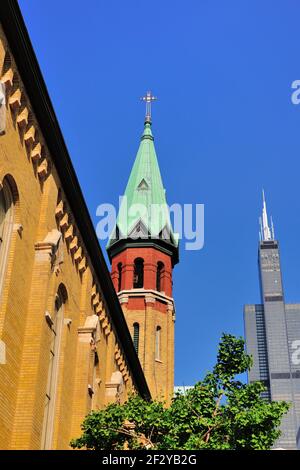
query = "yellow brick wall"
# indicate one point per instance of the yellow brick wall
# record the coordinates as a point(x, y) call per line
point(32, 279)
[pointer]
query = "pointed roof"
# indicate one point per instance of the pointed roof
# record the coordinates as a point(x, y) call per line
point(144, 212)
point(266, 233)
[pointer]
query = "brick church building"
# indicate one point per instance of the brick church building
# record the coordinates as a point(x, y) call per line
point(73, 336)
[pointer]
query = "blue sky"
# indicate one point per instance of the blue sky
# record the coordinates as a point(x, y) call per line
point(224, 128)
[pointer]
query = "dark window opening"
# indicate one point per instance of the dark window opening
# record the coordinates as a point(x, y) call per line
point(138, 278)
point(136, 336)
point(158, 343)
point(119, 277)
point(96, 359)
point(159, 273)
point(273, 298)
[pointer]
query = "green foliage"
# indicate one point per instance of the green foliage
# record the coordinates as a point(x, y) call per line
point(219, 412)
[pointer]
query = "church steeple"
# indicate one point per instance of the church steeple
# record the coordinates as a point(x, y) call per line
point(144, 213)
point(143, 251)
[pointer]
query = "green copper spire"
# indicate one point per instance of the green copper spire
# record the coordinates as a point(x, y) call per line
point(144, 212)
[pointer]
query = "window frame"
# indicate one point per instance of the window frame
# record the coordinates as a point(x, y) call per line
point(7, 228)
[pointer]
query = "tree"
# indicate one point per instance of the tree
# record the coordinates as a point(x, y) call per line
point(219, 412)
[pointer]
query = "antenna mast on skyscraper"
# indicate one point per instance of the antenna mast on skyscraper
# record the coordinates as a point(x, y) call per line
point(266, 233)
point(272, 229)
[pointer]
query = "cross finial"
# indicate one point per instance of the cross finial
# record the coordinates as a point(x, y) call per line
point(148, 99)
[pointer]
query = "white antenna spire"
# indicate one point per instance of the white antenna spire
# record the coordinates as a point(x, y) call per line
point(261, 229)
point(266, 233)
point(272, 229)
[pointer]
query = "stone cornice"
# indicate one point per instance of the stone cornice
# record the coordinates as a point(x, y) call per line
point(149, 293)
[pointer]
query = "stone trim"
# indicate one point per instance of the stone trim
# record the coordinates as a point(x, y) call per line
point(121, 362)
point(106, 325)
point(49, 246)
point(88, 332)
point(148, 293)
point(24, 118)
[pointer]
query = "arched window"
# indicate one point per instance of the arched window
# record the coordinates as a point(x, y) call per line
point(159, 272)
point(55, 323)
point(96, 382)
point(138, 278)
point(158, 343)
point(136, 336)
point(119, 277)
point(6, 225)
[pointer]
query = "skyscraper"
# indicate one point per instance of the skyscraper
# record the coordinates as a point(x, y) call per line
point(272, 330)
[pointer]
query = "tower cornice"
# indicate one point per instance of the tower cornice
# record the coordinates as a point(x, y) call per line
point(159, 244)
point(146, 293)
